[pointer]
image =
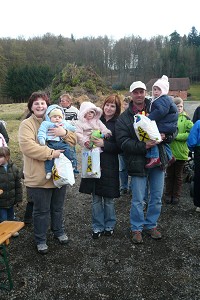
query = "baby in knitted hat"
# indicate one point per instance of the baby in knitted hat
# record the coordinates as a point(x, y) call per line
point(164, 111)
point(54, 117)
point(89, 121)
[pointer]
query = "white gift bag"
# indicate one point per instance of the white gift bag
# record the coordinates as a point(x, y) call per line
point(146, 129)
point(62, 171)
point(91, 163)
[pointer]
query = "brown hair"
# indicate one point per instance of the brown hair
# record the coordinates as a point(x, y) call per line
point(114, 98)
point(5, 152)
point(34, 96)
point(127, 99)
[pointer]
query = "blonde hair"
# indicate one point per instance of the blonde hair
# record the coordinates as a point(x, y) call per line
point(178, 100)
point(67, 96)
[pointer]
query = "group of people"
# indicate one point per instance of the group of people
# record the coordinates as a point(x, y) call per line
point(50, 130)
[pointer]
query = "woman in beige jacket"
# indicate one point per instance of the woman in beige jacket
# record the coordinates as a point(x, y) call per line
point(48, 200)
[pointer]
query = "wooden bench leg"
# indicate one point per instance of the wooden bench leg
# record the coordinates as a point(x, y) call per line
point(5, 275)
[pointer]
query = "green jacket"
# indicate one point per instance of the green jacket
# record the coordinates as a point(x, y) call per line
point(179, 146)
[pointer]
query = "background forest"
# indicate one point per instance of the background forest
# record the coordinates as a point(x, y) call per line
point(41, 63)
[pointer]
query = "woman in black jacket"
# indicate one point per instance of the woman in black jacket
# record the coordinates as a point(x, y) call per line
point(106, 188)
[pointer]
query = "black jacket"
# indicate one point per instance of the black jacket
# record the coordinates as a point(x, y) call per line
point(134, 150)
point(108, 184)
point(10, 183)
point(196, 115)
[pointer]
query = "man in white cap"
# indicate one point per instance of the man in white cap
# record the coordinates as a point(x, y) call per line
point(135, 158)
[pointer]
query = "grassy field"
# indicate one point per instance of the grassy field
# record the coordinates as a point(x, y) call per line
point(195, 92)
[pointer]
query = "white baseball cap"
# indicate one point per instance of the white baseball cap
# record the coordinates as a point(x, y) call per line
point(137, 85)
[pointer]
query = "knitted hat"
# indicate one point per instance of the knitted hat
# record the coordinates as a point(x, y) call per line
point(55, 112)
point(137, 85)
point(163, 84)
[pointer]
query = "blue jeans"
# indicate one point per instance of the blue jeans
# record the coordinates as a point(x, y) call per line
point(156, 184)
point(154, 152)
point(103, 213)
point(48, 203)
point(123, 174)
point(68, 152)
point(7, 214)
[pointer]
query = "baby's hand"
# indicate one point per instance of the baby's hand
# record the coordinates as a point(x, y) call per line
point(87, 145)
point(1, 192)
point(107, 135)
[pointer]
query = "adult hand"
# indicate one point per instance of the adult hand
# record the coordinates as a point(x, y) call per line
point(57, 131)
point(98, 142)
point(151, 143)
point(56, 153)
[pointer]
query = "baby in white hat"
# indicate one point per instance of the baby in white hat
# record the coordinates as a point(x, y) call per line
point(164, 111)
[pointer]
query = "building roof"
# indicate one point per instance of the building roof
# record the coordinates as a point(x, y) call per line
point(175, 84)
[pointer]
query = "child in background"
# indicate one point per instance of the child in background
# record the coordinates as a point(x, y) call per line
point(193, 143)
point(164, 111)
point(174, 173)
point(55, 117)
point(10, 186)
point(71, 115)
point(125, 182)
point(89, 120)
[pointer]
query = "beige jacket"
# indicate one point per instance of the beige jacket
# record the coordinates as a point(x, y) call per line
point(34, 154)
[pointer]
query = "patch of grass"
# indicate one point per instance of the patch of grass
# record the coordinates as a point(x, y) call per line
point(194, 91)
point(13, 114)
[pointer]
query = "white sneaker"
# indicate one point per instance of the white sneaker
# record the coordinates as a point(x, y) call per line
point(16, 234)
point(63, 239)
point(42, 248)
point(198, 209)
point(48, 176)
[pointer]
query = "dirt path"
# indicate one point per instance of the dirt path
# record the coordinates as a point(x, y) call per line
point(110, 268)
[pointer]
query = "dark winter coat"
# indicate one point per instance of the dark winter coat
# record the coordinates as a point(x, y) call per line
point(196, 115)
point(108, 184)
point(10, 183)
point(164, 111)
point(133, 149)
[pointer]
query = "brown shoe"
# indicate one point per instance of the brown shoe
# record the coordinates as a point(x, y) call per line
point(154, 162)
point(167, 199)
point(175, 200)
point(136, 237)
point(154, 233)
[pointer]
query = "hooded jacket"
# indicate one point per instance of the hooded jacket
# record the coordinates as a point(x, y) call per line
point(45, 125)
point(179, 146)
point(85, 127)
point(10, 183)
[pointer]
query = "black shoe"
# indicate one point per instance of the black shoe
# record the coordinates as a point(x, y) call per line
point(108, 232)
point(96, 235)
point(123, 192)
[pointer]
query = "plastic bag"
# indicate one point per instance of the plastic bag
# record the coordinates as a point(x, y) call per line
point(62, 171)
point(146, 129)
point(91, 163)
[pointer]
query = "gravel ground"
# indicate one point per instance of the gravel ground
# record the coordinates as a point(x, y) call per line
point(110, 267)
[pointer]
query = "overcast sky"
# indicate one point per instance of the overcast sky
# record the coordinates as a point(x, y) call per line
point(93, 18)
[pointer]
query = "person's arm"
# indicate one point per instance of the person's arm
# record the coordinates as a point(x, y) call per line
point(4, 132)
